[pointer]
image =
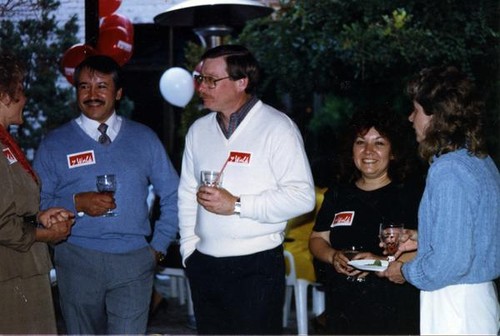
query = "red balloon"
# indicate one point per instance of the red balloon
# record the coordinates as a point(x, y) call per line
point(117, 20)
point(115, 43)
point(74, 56)
point(107, 7)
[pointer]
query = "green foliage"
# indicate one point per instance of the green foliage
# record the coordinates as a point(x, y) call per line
point(332, 115)
point(322, 135)
point(365, 50)
point(360, 40)
point(40, 42)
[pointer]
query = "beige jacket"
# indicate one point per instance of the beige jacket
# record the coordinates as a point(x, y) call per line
point(20, 255)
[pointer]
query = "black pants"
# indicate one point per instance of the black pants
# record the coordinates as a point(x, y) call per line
point(238, 295)
point(373, 307)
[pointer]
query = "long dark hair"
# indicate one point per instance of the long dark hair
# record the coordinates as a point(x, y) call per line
point(457, 121)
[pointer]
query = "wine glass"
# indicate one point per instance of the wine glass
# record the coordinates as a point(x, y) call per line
point(390, 235)
point(349, 252)
point(107, 184)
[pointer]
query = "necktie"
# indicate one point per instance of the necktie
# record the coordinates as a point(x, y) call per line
point(103, 138)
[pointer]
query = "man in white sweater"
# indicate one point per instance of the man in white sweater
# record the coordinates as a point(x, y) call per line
point(231, 237)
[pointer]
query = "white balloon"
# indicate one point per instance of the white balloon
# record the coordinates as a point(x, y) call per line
point(177, 86)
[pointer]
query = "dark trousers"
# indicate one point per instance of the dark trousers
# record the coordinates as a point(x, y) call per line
point(373, 307)
point(238, 295)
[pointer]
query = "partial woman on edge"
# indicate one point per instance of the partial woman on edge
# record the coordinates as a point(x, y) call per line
point(458, 254)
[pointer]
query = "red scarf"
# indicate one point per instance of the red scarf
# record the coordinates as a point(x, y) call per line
point(9, 142)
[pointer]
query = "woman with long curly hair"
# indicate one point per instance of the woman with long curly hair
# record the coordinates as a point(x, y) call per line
point(458, 254)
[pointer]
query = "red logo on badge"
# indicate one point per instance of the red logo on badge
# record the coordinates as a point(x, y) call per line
point(81, 159)
point(344, 218)
point(239, 157)
point(9, 155)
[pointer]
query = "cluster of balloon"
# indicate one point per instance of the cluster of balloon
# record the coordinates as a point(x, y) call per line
point(177, 86)
point(116, 36)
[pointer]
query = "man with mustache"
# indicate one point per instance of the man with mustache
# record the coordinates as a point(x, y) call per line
point(105, 269)
point(232, 235)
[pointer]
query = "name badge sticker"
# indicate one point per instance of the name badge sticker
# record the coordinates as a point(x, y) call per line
point(9, 155)
point(344, 218)
point(81, 159)
point(241, 158)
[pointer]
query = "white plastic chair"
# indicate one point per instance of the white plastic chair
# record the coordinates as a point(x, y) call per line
point(300, 287)
point(179, 286)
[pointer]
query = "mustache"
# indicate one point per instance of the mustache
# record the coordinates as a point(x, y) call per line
point(92, 101)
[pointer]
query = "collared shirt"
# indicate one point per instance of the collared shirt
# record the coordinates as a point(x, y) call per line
point(237, 117)
point(89, 126)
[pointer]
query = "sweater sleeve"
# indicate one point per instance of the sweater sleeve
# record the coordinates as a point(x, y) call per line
point(446, 222)
point(165, 181)
point(187, 203)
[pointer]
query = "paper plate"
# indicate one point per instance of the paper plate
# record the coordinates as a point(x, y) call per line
point(369, 265)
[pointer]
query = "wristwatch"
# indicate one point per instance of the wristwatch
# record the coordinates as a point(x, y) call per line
point(79, 213)
point(160, 257)
point(237, 206)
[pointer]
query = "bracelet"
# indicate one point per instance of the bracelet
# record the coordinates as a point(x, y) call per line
point(237, 207)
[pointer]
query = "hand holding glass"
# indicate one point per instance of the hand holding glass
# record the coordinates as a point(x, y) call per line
point(349, 253)
point(211, 178)
point(107, 184)
point(390, 235)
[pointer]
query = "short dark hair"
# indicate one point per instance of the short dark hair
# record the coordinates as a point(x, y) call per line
point(100, 63)
point(456, 108)
point(393, 127)
point(12, 72)
point(240, 63)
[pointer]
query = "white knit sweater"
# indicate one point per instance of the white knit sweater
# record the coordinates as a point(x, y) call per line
point(268, 169)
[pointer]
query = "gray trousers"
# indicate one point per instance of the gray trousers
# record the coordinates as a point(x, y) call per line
point(104, 293)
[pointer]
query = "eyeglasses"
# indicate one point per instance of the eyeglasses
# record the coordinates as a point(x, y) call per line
point(209, 81)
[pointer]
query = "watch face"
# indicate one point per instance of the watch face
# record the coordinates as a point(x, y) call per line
point(237, 207)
